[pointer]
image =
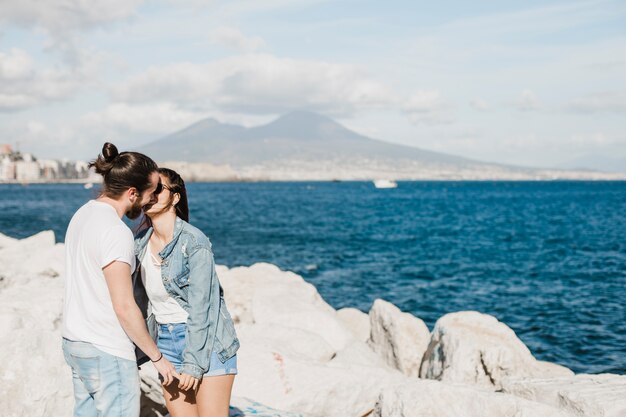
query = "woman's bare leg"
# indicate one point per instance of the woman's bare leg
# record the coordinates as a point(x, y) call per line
point(180, 403)
point(213, 396)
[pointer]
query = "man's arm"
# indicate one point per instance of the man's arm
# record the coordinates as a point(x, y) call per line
point(119, 281)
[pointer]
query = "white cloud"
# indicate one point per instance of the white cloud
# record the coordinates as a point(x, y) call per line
point(238, 7)
point(592, 140)
point(15, 65)
point(428, 107)
point(23, 84)
point(128, 126)
point(479, 104)
point(59, 17)
point(607, 101)
point(44, 140)
point(233, 38)
point(156, 118)
point(258, 84)
point(528, 101)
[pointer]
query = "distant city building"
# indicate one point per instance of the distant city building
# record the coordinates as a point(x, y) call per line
point(27, 171)
point(50, 169)
point(7, 168)
point(15, 166)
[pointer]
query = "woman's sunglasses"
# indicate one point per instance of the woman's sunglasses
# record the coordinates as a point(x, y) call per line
point(160, 187)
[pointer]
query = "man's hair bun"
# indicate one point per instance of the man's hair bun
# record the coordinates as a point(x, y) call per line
point(109, 152)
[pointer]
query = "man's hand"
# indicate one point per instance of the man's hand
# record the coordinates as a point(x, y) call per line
point(167, 370)
point(186, 382)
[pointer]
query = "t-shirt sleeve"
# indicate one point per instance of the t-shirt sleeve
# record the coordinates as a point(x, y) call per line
point(117, 245)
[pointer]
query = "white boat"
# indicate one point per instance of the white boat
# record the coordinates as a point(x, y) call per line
point(88, 186)
point(385, 184)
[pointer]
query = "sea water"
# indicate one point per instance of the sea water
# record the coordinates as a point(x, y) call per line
point(546, 258)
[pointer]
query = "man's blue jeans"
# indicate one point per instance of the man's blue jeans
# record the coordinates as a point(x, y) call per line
point(104, 385)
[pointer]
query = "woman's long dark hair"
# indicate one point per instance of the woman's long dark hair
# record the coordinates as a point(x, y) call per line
point(177, 186)
point(122, 171)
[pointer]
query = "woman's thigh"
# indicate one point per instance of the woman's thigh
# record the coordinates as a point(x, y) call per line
point(180, 403)
point(213, 395)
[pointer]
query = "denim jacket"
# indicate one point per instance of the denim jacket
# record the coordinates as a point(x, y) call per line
point(188, 274)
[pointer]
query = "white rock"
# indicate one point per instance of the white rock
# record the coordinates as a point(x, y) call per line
point(31, 257)
point(298, 307)
point(264, 294)
point(360, 353)
point(238, 284)
point(241, 407)
point(297, 343)
point(474, 348)
point(400, 338)
point(315, 389)
point(297, 354)
point(423, 398)
point(601, 395)
point(221, 269)
point(34, 379)
point(39, 240)
point(6, 241)
point(356, 321)
point(241, 283)
point(549, 368)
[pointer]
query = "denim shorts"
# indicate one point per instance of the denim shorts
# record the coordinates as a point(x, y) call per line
point(171, 342)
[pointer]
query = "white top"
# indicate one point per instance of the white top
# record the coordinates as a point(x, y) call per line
point(95, 237)
point(164, 307)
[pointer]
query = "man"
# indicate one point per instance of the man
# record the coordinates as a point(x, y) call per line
point(101, 320)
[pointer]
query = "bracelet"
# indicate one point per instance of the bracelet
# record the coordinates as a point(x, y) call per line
point(160, 357)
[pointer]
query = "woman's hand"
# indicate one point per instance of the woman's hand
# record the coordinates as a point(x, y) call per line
point(186, 382)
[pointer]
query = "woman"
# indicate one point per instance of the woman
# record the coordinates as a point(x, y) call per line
point(186, 306)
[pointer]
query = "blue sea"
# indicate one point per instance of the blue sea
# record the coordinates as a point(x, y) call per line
point(546, 258)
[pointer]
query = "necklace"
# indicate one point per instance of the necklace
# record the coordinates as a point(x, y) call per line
point(156, 261)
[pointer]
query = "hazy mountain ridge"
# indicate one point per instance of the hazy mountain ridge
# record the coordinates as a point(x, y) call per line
point(597, 162)
point(305, 145)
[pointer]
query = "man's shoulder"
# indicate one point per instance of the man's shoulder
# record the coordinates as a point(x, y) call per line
point(97, 219)
point(99, 213)
point(121, 230)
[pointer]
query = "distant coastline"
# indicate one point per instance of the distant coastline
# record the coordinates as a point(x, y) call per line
point(44, 181)
point(264, 181)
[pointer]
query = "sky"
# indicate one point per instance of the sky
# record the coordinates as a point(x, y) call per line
point(519, 82)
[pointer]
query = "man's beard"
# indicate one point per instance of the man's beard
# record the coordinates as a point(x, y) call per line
point(135, 210)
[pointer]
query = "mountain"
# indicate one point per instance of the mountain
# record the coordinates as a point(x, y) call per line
point(306, 145)
point(302, 135)
point(598, 163)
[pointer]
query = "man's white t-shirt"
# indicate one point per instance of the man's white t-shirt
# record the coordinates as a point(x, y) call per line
point(95, 237)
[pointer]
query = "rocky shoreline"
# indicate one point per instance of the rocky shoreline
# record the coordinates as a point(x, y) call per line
point(301, 357)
